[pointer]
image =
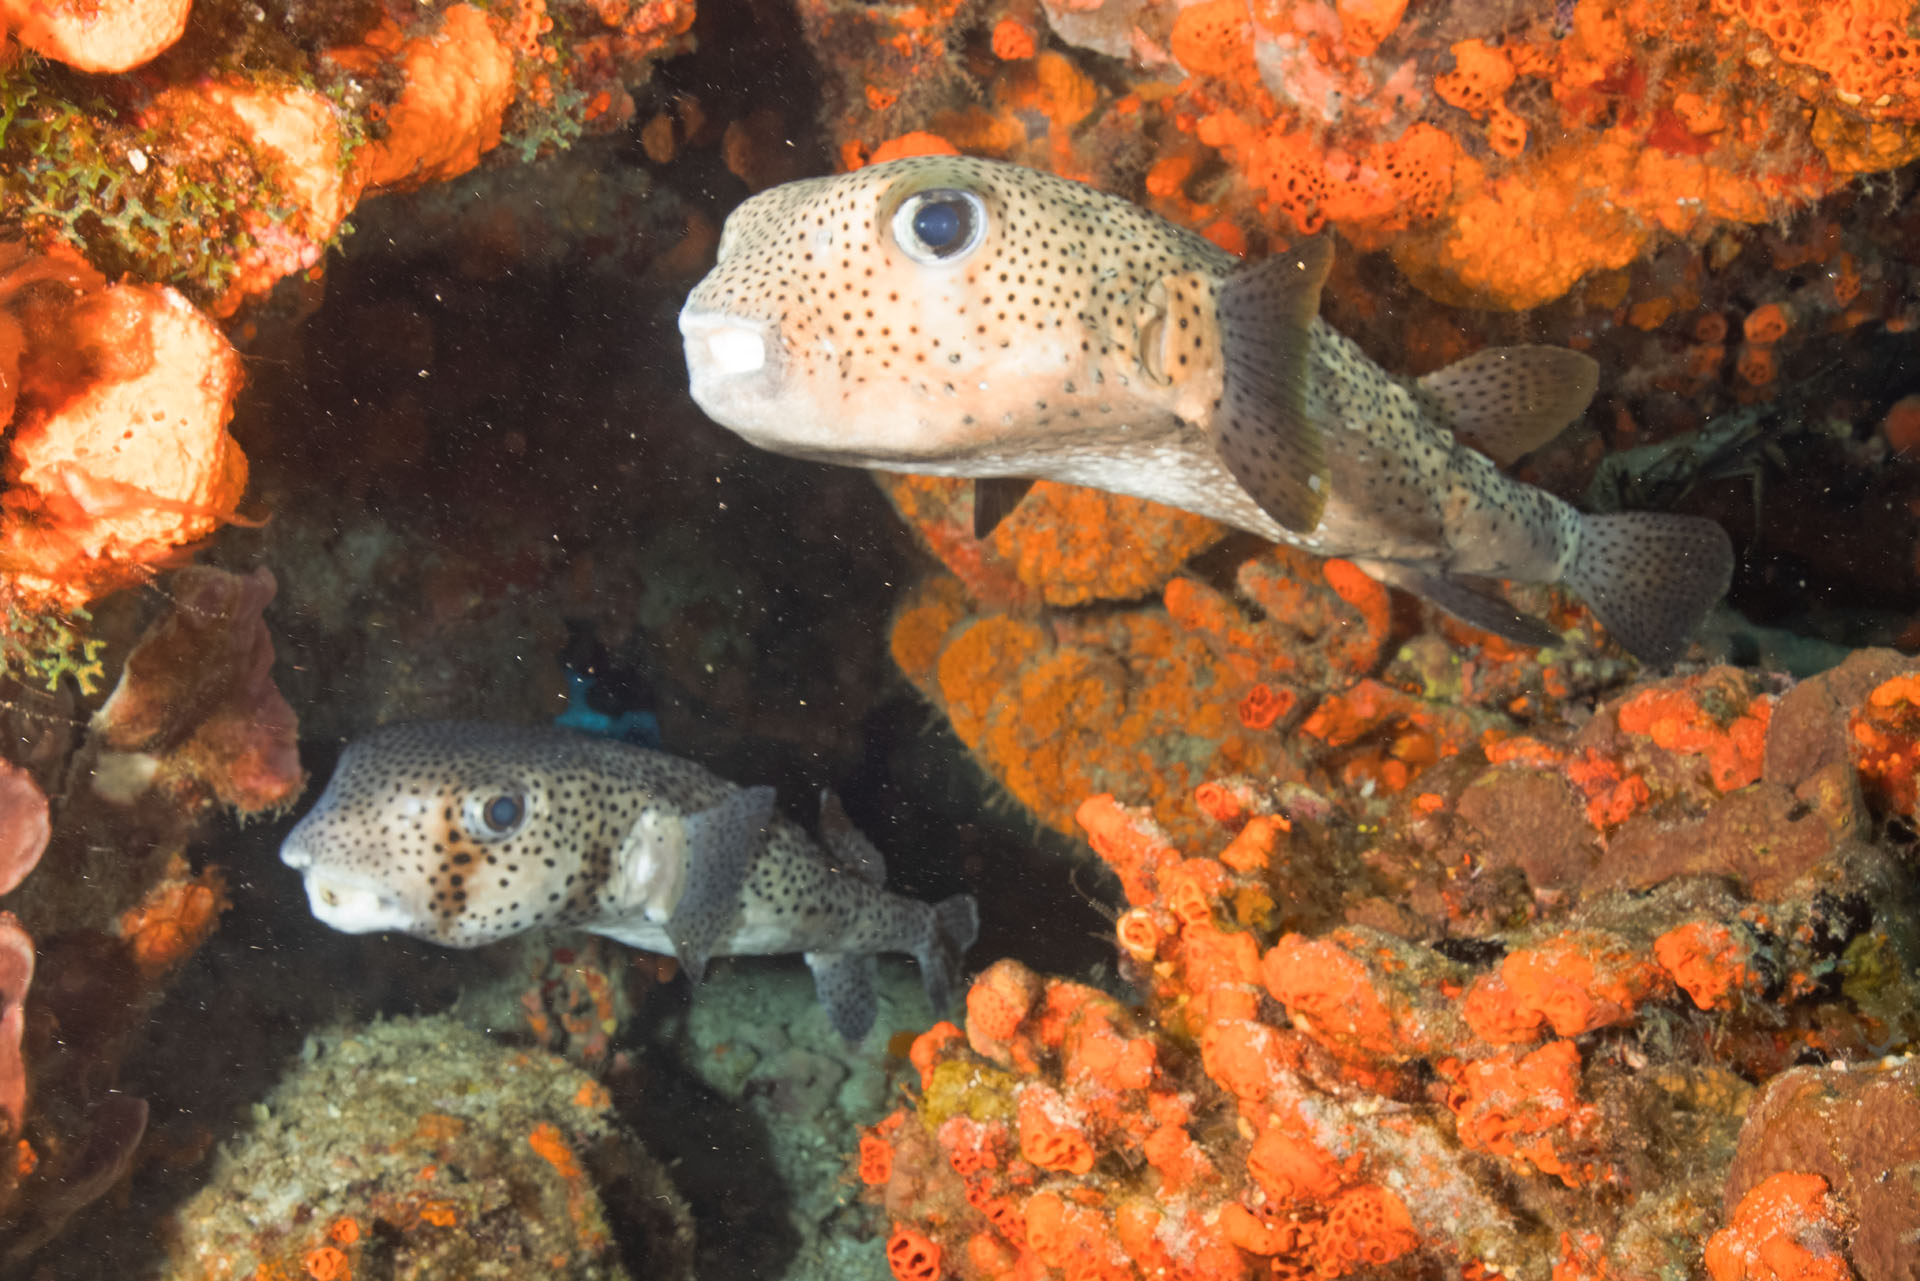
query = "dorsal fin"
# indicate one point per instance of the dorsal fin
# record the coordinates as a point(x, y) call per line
point(851, 851)
point(1261, 429)
point(1506, 402)
point(994, 497)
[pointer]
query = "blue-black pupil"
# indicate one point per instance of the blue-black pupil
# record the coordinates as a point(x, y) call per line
point(941, 225)
point(503, 812)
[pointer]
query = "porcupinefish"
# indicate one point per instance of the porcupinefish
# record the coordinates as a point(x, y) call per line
point(463, 834)
point(964, 317)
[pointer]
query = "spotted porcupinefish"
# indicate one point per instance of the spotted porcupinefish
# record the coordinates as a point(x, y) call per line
point(462, 834)
point(965, 317)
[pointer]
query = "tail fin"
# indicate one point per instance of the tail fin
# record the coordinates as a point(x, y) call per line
point(1650, 578)
point(955, 925)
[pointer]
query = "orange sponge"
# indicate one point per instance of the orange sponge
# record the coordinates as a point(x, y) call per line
point(120, 451)
point(458, 84)
point(96, 35)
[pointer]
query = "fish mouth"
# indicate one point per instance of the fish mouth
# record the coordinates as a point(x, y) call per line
point(354, 906)
point(733, 362)
point(347, 902)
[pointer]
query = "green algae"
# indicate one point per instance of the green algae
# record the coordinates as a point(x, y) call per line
point(44, 649)
point(75, 166)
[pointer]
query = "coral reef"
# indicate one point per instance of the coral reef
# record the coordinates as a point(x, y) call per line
point(195, 728)
point(201, 180)
point(1454, 136)
point(221, 177)
point(423, 1149)
point(1385, 1032)
point(1286, 676)
point(1447, 957)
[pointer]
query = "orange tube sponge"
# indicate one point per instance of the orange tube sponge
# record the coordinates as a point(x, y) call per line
point(1365, 23)
point(1130, 842)
point(911, 1256)
point(1050, 1135)
point(1785, 1229)
point(1901, 427)
point(458, 84)
point(96, 35)
point(120, 451)
point(1496, 1015)
point(1075, 1238)
point(1767, 323)
point(1366, 1227)
point(1480, 77)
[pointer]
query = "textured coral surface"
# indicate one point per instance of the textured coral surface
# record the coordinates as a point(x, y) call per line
point(423, 1149)
point(1392, 1035)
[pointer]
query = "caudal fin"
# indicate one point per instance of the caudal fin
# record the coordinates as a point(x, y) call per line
point(1650, 578)
point(956, 923)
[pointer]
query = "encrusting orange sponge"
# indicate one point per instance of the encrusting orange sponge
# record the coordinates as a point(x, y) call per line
point(1782, 1230)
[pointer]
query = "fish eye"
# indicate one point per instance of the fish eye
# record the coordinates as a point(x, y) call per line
point(939, 226)
point(493, 816)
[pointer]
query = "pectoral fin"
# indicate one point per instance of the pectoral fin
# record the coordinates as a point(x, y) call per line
point(1506, 402)
point(721, 843)
point(994, 498)
point(1465, 602)
point(1261, 428)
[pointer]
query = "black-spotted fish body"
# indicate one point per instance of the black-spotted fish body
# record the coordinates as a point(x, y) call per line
point(463, 834)
point(964, 317)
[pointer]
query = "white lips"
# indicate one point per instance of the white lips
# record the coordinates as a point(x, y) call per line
point(722, 346)
point(733, 367)
point(352, 906)
point(736, 351)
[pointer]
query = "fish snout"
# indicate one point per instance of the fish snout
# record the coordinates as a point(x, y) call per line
point(351, 902)
point(355, 904)
point(733, 363)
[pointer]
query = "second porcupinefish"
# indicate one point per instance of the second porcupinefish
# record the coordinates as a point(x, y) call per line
point(462, 834)
point(965, 317)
